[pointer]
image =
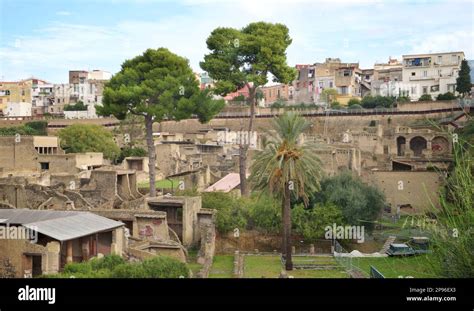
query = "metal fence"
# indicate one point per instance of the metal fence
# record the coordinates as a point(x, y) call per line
point(346, 260)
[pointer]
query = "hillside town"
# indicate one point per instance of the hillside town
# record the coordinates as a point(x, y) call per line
point(267, 156)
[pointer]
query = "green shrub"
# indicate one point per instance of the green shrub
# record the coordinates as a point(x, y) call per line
point(446, 96)
point(131, 152)
point(425, 97)
point(129, 270)
point(353, 101)
point(264, 213)
point(107, 262)
point(360, 204)
point(164, 267)
point(371, 102)
point(230, 210)
point(40, 127)
point(79, 106)
point(74, 267)
point(311, 222)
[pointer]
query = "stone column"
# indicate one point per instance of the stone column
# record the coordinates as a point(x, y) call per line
point(85, 248)
point(69, 251)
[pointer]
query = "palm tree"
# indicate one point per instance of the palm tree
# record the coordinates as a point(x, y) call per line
point(287, 166)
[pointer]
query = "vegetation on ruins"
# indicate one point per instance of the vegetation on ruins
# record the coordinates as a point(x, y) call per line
point(310, 222)
point(359, 203)
point(37, 128)
point(463, 81)
point(453, 234)
point(114, 266)
point(244, 58)
point(287, 167)
point(131, 152)
point(157, 85)
point(230, 211)
point(78, 138)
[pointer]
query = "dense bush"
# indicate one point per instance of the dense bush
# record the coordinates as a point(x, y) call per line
point(37, 128)
point(107, 262)
point(353, 101)
point(360, 204)
point(113, 266)
point(371, 102)
point(131, 152)
point(264, 213)
point(88, 138)
point(403, 99)
point(425, 97)
point(230, 214)
point(164, 267)
point(310, 222)
point(446, 96)
point(79, 106)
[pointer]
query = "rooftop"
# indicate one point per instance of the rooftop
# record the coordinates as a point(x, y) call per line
point(59, 225)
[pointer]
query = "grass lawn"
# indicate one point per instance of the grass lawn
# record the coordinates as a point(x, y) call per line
point(314, 274)
point(392, 267)
point(270, 267)
point(222, 266)
point(194, 267)
point(164, 183)
point(262, 266)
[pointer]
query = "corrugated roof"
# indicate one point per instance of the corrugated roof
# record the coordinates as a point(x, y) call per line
point(24, 216)
point(226, 184)
point(60, 225)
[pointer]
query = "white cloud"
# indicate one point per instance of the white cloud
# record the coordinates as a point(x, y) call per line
point(445, 42)
point(63, 13)
point(369, 32)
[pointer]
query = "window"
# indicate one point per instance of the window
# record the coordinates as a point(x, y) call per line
point(44, 166)
point(330, 84)
point(425, 90)
point(425, 73)
point(439, 72)
point(440, 59)
point(413, 73)
point(344, 90)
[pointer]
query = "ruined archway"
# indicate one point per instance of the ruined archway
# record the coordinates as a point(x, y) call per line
point(439, 145)
point(417, 145)
point(401, 142)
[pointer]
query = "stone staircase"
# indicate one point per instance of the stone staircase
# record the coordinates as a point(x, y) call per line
point(386, 246)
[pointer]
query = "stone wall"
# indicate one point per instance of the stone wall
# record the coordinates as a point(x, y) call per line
point(418, 189)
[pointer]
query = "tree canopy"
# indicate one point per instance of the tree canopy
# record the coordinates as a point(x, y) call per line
point(159, 84)
point(463, 82)
point(242, 56)
point(79, 138)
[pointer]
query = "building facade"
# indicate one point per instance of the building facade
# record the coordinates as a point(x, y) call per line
point(431, 74)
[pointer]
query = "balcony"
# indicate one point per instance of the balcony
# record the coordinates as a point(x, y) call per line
point(415, 78)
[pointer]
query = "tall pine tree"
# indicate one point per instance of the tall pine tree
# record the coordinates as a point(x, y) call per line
point(463, 82)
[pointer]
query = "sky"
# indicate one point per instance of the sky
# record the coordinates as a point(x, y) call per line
point(48, 38)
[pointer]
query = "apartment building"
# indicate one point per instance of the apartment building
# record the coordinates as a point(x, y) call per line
point(275, 92)
point(84, 86)
point(432, 74)
point(24, 91)
point(387, 76)
point(313, 79)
